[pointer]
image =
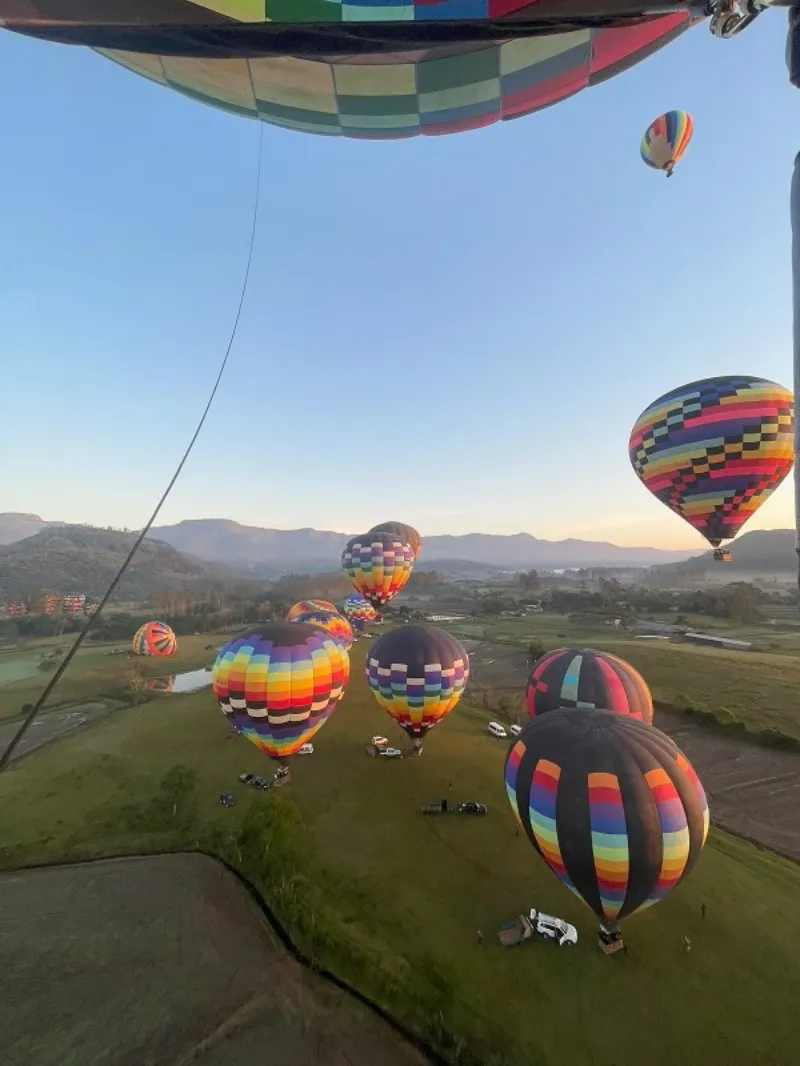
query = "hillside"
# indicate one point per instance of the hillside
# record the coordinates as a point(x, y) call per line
point(15, 526)
point(81, 559)
point(764, 551)
point(267, 552)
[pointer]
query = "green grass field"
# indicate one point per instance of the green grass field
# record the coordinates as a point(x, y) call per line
point(94, 673)
point(760, 688)
point(409, 893)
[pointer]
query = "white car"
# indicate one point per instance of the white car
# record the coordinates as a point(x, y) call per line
point(379, 742)
point(306, 749)
point(515, 730)
point(564, 934)
point(391, 753)
point(497, 730)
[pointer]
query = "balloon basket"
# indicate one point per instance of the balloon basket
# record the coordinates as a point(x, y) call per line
point(609, 943)
point(281, 779)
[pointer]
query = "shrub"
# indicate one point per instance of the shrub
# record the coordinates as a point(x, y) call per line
point(771, 737)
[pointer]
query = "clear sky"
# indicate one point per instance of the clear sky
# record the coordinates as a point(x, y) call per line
point(454, 331)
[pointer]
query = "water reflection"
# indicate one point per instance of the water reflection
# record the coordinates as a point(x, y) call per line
point(189, 681)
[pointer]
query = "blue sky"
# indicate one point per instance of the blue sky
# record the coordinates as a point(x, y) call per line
point(455, 331)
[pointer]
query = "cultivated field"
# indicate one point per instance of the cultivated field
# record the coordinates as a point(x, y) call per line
point(165, 960)
point(393, 901)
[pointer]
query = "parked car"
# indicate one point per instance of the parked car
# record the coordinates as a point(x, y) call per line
point(245, 778)
point(515, 730)
point(306, 749)
point(440, 807)
point(379, 742)
point(497, 730)
point(391, 753)
point(471, 807)
point(564, 934)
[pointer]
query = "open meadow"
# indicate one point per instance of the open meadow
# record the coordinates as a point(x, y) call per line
point(392, 901)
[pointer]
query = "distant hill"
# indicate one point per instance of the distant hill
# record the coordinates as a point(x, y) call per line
point(15, 526)
point(268, 552)
point(67, 559)
point(764, 551)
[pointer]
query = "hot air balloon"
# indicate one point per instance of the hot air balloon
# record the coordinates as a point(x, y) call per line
point(418, 674)
point(304, 606)
point(612, 805)
point(332, 622)
point(154, 638)
point(666, 139)
point(378, 564)
point(279, 682)
point(714, 450)
point(406, 533)
point(582, 677)
point(380, 73)
point(358, 611)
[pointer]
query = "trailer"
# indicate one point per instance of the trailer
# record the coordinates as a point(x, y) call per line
point(441, 807)
point(514, 933)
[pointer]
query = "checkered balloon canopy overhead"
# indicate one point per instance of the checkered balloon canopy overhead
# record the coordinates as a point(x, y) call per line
point(714, 450)
point(412, 87)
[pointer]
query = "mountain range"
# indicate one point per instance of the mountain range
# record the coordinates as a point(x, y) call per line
point(261, 552)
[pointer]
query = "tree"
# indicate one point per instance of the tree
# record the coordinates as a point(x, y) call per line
point(529, 581)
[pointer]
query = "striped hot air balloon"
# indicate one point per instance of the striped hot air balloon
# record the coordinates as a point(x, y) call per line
point(154, 638)
point(714, 450)
point(279, 682)
point(666, 139)
point(612, 806)
point(582, 677)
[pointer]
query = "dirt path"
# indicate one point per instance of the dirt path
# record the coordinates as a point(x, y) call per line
point(165, 961)
point(752, 790)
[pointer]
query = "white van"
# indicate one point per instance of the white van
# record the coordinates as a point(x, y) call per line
point(306, 749)
point(497, 730)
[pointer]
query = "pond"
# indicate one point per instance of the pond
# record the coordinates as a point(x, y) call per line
point(18, 669)
point(189, 681)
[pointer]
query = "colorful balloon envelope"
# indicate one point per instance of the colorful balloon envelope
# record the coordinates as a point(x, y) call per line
point(304, 606)
point(340, 74)
point(378, 564)
point(612, 806)
point(332, 622)
point(279, 682)
point(582, 677)
point(714, 450)
point(154, 638)
point(358, 611)
point(666, 139)
point(418, 674)
point(406, 533)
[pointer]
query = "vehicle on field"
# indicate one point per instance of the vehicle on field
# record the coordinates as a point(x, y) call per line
point(306, 749)
point(497, 730)
point(440, 807)
point(472, 807)
point(379, 742)
point(544, 925)
point(390, 753)
point(515, 730)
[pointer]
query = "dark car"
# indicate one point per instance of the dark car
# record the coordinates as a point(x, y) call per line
point(471, 807)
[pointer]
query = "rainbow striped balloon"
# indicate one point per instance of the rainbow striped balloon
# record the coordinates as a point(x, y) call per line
point(582, 677)
point(332, 622)
point(612, 806)
point(358, 611)
point(279, 682)
point(154, 638)
point(714, 450)
point(378, 564)
point(666, 139)
point(304, 606)
point(417, 674)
